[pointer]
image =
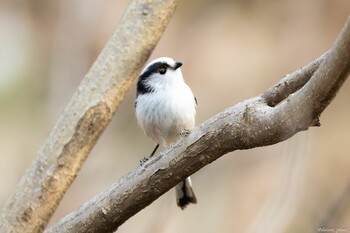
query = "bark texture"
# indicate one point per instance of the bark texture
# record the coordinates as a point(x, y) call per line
point(292, 105)
point(86, 116)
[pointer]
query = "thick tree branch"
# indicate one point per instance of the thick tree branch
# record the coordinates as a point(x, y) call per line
point(86, 116)
point(260, 121)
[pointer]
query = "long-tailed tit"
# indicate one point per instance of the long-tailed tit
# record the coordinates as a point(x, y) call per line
point(165, 108)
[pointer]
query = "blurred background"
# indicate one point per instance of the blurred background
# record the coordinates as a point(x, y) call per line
point(232, 51)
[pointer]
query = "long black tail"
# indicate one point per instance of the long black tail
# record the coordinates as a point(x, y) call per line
point(185, 194)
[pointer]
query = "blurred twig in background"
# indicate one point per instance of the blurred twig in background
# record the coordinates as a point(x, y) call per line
point(280, 207)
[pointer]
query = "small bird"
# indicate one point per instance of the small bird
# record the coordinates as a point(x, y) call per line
point(165, 110)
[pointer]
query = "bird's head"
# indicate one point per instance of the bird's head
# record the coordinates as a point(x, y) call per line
point(159, 74)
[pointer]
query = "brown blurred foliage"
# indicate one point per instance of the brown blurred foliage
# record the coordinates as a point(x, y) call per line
point(231, 50)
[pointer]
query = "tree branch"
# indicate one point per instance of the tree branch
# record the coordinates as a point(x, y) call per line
point(86, 116)
point(291, 82)
point(260, 121)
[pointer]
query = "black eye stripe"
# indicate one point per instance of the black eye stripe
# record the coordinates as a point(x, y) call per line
point(142, 88)
point(152, 69)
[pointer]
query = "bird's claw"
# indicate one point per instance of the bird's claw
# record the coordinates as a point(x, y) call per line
point(143, 160)
point(185, 132)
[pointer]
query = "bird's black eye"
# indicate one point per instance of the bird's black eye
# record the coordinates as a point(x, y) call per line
point(162, 70)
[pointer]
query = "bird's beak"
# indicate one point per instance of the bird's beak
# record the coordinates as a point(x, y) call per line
point(177, 65)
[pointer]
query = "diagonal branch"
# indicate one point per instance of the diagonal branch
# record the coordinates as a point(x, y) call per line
point(86, 116)
point(260, 121)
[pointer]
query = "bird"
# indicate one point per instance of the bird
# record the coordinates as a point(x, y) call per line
point(165, 110)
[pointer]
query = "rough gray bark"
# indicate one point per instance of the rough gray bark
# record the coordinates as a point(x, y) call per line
point(86, 116)
point(276, 115)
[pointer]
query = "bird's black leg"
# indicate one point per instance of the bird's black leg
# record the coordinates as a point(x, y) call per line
point(154, 151)
point(142, 161)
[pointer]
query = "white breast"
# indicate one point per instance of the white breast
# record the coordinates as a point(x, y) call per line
point(163, 113)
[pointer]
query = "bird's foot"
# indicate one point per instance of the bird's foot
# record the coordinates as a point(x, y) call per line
point(185, 132)
point(143, 160)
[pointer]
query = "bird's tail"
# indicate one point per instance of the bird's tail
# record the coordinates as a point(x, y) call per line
point(185, 194)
